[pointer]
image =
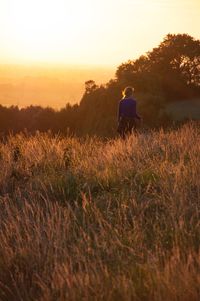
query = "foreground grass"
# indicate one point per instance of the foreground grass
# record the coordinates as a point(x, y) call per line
point(94, 220)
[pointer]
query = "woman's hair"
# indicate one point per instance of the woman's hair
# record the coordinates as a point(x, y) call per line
point(128, 91)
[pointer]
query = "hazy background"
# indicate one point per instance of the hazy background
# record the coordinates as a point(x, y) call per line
point(49, 48)
point(48, 85)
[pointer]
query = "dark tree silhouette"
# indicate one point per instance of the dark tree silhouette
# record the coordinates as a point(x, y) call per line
point(170, 71)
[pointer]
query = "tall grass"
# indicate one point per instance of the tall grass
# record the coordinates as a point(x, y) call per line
point(101, 220)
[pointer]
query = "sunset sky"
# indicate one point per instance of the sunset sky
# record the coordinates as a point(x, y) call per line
point(90, 32)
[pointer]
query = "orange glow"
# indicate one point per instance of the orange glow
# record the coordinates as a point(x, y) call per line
point(90, 32)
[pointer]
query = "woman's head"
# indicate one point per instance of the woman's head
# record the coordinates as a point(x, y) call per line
point(128, 92)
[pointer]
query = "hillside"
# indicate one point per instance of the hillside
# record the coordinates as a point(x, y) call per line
point(101, 220)
point(188, 109)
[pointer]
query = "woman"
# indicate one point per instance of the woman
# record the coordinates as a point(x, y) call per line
point(127, 113)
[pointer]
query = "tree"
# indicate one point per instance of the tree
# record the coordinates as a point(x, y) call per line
point(177, 60)
point(173, 68)
point(90, 86)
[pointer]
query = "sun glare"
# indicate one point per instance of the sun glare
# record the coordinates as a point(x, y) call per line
point(90, 31)
point(41, 28)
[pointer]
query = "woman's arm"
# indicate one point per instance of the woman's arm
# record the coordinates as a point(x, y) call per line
point(136, 114)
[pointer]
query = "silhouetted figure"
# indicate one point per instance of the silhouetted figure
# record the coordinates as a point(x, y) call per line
point(127, 113)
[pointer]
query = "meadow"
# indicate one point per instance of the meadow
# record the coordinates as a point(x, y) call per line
point(94, 219)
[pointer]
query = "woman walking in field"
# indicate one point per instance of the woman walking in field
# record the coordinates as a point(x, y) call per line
point(127, 113)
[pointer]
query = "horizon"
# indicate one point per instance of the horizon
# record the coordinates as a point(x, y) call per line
point(54, 86)
point(50, 48)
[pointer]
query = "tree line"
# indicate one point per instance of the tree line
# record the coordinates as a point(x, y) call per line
point(169, 72)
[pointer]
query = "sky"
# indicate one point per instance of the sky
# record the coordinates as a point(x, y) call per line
point(90, 32)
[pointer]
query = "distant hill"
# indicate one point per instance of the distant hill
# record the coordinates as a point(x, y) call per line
point(180, 110)
point(46, 86)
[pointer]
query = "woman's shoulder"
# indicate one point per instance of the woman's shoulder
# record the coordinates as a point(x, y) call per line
point(130, 99)
point(127, 99)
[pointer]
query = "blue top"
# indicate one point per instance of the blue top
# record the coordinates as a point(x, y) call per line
point(127, 108)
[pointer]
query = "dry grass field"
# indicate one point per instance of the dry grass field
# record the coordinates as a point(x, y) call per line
point(101, 220)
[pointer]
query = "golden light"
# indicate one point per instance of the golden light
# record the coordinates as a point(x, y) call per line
point(46, 29)
point(90, 31)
